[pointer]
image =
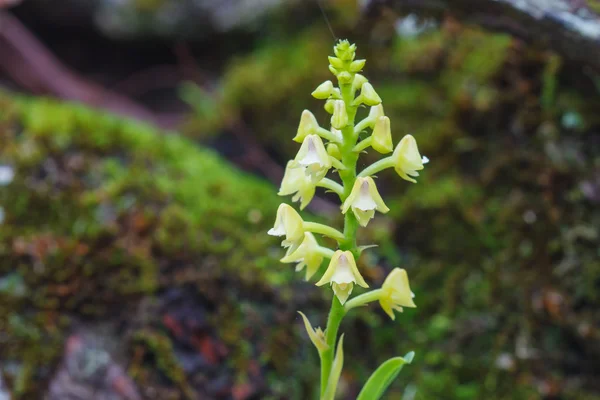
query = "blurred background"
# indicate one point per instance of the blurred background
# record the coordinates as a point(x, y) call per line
point(141, 147)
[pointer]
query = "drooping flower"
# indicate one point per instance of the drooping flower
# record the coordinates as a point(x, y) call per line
point(295, 182)
point(396, 293)
point(308, 126)
point(382, 136)
point(364, 200)
point(306, 254)
point(316, 335)
point(314, 157)
point(342, 274)
point(288, 223)
point(407, 160)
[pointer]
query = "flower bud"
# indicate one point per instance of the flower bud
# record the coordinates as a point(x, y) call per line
point(369, 95)
point(288, 223)
point(359, 80)
point(308, 126)
point(316, 335)
point(344, 50)
point(329, 106)
point(376, 112)
point(333, 150)
point(364, 200)
point(306, 254)
point(344, 77)
point(396, 293)
point(336, 62)
point(357, 66)
point(340, 118)
point(407, 160)
point(342, 274)
point(382, 136)
point(323, 91)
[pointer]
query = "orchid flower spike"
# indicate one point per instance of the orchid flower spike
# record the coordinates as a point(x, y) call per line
point(396, 293)
point(306, 254)
point(407, 160)
point(342, 274)
point(364, 200)
point(296, 182)
point(288, 223)
point(314, 157)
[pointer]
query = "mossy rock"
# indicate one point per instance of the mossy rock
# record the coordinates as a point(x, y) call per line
point(111, 222)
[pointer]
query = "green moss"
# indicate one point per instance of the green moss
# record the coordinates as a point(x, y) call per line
point(104, 213)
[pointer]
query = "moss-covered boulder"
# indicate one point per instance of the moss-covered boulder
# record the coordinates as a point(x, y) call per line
point(111, 226)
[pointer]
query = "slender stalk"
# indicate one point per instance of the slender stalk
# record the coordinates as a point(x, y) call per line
point(336, 314)
point(323, 230)
point(363, 144)
point(380, 165)
point(363, 299)
point(325, 134)
point(325, 251)
point(331, 185)
point(362, 125)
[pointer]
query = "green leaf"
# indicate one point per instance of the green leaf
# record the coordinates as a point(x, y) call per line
point(383, 377)
point(336, 371)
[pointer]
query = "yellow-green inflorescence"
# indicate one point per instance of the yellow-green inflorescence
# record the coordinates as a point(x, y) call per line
point(336, 150)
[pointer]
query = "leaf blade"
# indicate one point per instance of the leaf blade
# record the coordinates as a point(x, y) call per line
point(383, 377)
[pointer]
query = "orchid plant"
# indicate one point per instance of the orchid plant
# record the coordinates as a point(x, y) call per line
point(360, 198)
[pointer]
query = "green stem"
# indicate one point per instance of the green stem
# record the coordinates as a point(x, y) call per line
point(325, 134)
point(323, 230)
point(325, 251)
point(348, 176)
point(362, 125)
point(331, 185)
point(363, 299)
point(336, 314)
point(380, 165)
point(363, 144)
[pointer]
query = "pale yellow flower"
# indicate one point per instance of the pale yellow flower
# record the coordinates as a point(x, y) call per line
point(342, 273)
point(306, 254)
point(295, 182)
point(314, 157)
point(407, 160)
point(288, 223)
point(396, 293)
point(364, 200)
